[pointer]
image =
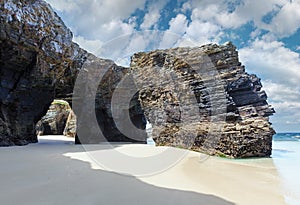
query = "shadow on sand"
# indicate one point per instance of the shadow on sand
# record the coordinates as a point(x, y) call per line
point(41, 174)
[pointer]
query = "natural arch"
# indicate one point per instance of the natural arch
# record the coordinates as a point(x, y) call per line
point(59, 120)
point(40, 63)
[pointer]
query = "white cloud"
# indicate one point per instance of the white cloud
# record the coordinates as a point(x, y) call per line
point(91, 46)
point(286, 101)
point(254, 34)
point(186, 7)
point(248, 10)
point(102, 10)
point(219, 15)
point(288, 108)
point(137, 43)
point(287, 21)
point(178, 24)
point(150, 19)
point(256, 9)
point(120, 49)
point(67, 5)
point(202, 32)
point(282, 92)
point(285, 15)
point(97, 20)
point(203, 26)
point(272, 60)
point(113, 29)
point(174, 35)
point(104, 20)
point(153, 14)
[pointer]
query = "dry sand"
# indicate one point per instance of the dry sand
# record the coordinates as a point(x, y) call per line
point(55, 171)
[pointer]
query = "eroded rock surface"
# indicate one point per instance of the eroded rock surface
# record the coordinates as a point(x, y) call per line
point(202, 99)
point(55, 120)
point(197, 98)
point(70, 128)
point(40, 63)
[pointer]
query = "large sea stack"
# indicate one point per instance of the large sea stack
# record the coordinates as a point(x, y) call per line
point(202, 99)
point(196, 98)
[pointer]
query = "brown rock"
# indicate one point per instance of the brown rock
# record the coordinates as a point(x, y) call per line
point(54, 122)
point(70, 128)
point(202, 99)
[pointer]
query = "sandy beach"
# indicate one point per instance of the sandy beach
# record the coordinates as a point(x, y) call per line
point(218, 77)
point(55, 171)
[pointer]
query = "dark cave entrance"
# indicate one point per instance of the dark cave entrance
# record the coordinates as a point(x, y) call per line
point(60, 123)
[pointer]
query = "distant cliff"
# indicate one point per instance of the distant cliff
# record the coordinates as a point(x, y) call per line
point(196, 98)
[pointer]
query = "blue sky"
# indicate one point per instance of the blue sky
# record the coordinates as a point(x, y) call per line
point(266, 33)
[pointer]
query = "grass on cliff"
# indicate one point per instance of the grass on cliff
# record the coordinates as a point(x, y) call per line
point(60, 102)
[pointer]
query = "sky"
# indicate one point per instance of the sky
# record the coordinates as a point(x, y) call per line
point(266, 33)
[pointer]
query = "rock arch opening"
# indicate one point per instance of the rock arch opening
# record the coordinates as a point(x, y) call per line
point(38, 67)
point(59, 120)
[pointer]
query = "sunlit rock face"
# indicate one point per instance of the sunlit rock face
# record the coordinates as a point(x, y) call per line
point(55, 120)
point(202, 99)
point(70, 128)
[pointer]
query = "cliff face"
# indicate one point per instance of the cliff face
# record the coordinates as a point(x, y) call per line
point(38, 63)
point(202, 99)
point(197, 98)
point(36, 53)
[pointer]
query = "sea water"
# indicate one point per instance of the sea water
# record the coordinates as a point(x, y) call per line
point(286, 157)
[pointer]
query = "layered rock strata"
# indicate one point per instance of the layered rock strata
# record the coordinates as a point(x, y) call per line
point(196, 98)
point(202, 99)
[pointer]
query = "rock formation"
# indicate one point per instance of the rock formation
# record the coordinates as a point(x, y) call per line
point(40, 63)
point(70, 128)
point(202, 99)
point(196, 98)
point(55, 120)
